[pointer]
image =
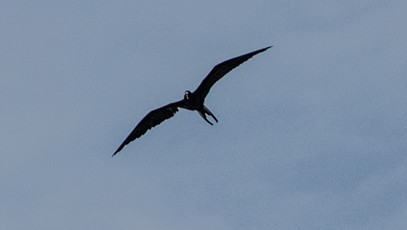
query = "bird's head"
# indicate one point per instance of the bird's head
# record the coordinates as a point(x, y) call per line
point(187, 95)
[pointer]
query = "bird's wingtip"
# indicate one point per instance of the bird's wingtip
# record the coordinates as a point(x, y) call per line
point(119, 149)
point(264, 49)
point(116, 152)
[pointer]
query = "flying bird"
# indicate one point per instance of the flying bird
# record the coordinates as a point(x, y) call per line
point(192, 100)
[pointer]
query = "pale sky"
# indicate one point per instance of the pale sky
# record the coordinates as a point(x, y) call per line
point(312, 133)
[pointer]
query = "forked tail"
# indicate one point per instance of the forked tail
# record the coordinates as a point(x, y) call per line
point(207, 111)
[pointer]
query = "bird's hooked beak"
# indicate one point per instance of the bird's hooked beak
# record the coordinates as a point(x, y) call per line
point(187, 95)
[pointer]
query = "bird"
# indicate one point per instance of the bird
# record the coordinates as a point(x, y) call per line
point(192, 100)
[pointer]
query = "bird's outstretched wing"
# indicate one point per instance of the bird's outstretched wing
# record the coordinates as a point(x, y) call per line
point(152, 119)
point(221, 70)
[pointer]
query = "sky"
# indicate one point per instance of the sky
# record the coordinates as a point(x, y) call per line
point(312, 133)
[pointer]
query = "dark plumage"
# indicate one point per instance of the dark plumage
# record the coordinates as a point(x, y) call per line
point(191, 101)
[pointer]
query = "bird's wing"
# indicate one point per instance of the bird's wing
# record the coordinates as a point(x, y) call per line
point(152, 119)
point(221, 70)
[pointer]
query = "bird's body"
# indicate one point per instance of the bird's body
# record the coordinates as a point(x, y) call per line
point(191, 101)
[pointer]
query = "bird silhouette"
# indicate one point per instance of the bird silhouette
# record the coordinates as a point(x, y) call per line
point(192, 100)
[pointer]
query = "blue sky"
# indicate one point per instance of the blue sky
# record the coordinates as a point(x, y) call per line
point(311, 134)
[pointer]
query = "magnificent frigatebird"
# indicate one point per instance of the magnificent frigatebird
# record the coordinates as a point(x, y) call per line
point(192, 100)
